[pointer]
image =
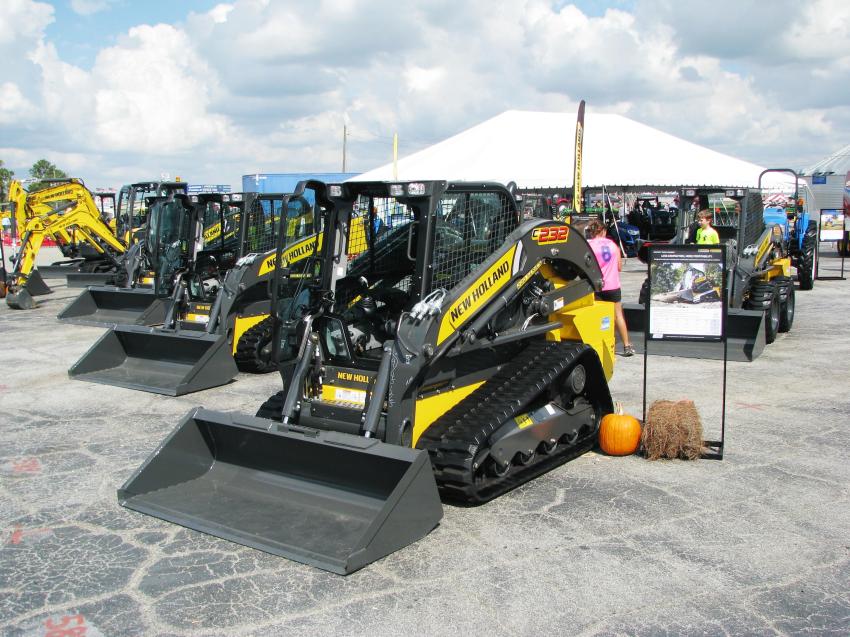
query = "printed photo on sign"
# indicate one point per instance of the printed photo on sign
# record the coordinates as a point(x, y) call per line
point(831, 224)
point(686, 294)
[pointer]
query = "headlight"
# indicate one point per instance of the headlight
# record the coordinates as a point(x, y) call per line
point(396, 190)
point(335, 191)
point(634, 233)
point(416, 189)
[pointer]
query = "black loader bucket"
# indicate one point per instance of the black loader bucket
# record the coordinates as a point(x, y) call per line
point(108, 305)
point(332, 500)
point(60, 269)
point(22, 299)
point(745, 339)
point(170, 362)
point(85, 279)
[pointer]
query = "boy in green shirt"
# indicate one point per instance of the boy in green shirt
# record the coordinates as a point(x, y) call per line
point(705, 233)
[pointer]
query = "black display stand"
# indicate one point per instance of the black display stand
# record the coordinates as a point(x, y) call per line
point(818, 277)
point(716, 254)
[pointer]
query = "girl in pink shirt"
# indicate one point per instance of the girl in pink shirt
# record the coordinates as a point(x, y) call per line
point(607, 254)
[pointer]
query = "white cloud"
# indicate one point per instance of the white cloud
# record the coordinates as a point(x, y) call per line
point(14, 107)
point(251, 82)
point(87, 7)
point(22, 21)
point(219, 13)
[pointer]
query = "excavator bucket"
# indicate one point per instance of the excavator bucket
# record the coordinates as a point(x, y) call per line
point(332, 500)
point(22, 298)
point(745, 336)
point(157, 360)
point(108, 305)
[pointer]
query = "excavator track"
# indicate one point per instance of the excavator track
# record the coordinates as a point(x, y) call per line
point(459, 440)
point(249, 349)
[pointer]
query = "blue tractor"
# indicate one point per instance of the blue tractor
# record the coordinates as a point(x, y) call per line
point(800, 231)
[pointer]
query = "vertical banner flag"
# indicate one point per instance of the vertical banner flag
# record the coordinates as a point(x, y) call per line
point(577, 161)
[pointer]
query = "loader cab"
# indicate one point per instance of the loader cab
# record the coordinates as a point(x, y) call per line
point(263, 211)
point(134, 200)
point(402, 243)
point(170, 238)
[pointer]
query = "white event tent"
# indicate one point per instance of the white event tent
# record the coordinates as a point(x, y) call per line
point(535, 150)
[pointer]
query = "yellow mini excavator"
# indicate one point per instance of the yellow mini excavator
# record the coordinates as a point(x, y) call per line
point(458, 351)
point(57, 211)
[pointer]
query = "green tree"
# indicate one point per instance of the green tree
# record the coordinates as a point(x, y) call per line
point(43, 169)
point(5, 178)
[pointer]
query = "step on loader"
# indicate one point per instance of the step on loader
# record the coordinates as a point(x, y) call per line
point(760, 291)
point(217, 323)
point(132, 298)
point(438, 347)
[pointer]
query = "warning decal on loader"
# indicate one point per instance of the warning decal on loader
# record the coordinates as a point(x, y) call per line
point(476, 295)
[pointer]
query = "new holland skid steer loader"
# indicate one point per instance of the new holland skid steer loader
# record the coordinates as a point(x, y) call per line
point(133, 297)
point(454, 351)
point(760, 291)
point(218, 321)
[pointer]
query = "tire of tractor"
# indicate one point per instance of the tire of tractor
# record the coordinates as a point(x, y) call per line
point(807, 262)
point(786, 303)
point(764, 296)
point(643, 297)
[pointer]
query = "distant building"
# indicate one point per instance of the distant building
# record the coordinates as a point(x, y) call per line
point(286, 182)
point(828, 177)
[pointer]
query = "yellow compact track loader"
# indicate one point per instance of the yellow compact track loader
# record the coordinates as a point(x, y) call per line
point(455, 352)
point(217, 320)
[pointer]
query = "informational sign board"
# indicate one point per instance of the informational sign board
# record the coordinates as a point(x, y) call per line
point(686, 295)
point(818, 179)
point(831, 224)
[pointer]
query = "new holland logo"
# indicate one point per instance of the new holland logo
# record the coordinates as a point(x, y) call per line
point(476, 295)
point(550, 234)
point(212, 232)
point(357, 378)
point(292, 254)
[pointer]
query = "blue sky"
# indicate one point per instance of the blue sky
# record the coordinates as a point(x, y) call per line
point(118, 90)
point(78, 37)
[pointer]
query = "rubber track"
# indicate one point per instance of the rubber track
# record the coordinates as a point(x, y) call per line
point(246, 358)
point(461, 434)
point(273, 407)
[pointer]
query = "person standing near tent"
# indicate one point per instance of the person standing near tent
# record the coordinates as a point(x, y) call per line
point(611, 263)
point(705, 233)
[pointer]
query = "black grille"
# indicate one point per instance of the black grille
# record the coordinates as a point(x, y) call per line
point(470, 227)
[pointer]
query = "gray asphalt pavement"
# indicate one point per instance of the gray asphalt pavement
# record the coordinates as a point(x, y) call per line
point(758, 543)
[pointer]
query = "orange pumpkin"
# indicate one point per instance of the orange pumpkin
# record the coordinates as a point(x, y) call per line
point(619, 434)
